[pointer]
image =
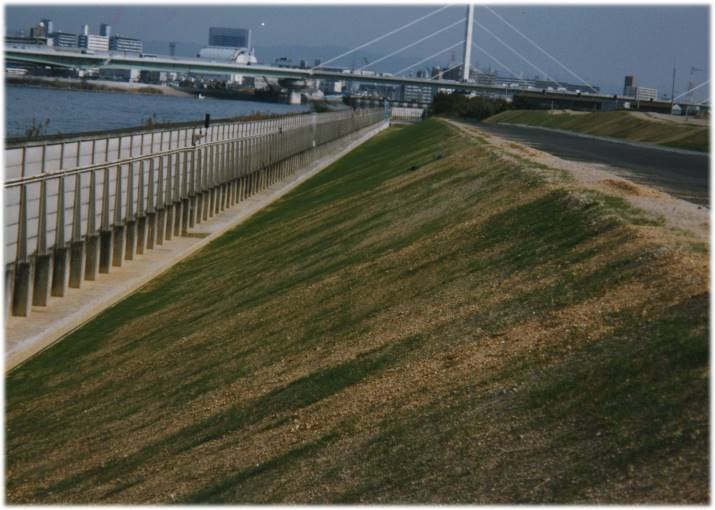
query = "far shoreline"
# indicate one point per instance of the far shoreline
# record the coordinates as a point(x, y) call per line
point(73, 84)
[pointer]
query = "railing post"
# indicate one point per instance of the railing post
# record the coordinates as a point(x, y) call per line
point(91, 259)
point(60, 259)
point(106, 234)
point(210, 182)
point(77, 245)
point(177, 195)
point(130, 222)
point(22, 287)
point(168, 201)
point(185, 202)
point(141, 213)
point(118, 225)
point(150, 211)
point(43, 258)
point(195, 154)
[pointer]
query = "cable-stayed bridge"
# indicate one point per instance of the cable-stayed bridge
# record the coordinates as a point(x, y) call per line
point(75, 58)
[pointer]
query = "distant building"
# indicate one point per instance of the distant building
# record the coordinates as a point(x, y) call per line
point(38, 31)
point(629, 86)
point(218, 54)
point(93, 42)
point(15, 40)
point(105, 30)
point(453, 74)
point(229, 37)
point(49, 26)
point(126, 44)
point(646, 94)
point(283, 62)
point(64, 40)
point(417, 94)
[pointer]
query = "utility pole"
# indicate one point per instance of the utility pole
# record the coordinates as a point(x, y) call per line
point(672, 90)
point(468, 42)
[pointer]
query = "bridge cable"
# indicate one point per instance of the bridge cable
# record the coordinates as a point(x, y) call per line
point(399, 29)
point(496, 60)
point(412, 44)
point(572, 73)
point(428, 58)
point(688, 91)
point(517, 53)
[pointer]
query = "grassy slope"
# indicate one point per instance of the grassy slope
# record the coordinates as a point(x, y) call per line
point(617, 124)
point(461, 332)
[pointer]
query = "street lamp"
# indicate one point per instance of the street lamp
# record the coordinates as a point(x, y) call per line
point(253, 38)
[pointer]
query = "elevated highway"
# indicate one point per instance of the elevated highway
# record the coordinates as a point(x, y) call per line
point(119, 60)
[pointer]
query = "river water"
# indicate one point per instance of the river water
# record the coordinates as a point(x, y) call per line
point(71, 111)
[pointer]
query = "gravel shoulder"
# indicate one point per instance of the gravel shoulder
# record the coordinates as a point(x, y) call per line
point(678, 214)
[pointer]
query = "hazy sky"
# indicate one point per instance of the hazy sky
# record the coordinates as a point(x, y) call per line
point(599, 43)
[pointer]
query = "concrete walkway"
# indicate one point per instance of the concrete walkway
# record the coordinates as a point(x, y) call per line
point(26, 336)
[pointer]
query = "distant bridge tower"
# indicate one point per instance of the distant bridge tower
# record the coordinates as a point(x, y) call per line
point(468, 42)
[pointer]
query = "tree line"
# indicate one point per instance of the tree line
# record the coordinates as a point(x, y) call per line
point(459, 105)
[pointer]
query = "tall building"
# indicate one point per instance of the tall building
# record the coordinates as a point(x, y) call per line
point(93, 42)
point(126, 44)
point(105, 30)
point(229, 37)
point(629, 86)
point(49, 26)
point(64, 40)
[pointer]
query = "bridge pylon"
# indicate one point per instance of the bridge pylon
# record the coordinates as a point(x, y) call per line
point(468, 42)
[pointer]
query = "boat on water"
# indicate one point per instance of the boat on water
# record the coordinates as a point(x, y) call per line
point(200, 96)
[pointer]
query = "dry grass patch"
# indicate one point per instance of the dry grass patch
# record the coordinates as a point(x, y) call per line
point(424, 321)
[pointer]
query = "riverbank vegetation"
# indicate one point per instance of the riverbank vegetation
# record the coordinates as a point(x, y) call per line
point(617, 124)
point(425, 321)
point(461, 106)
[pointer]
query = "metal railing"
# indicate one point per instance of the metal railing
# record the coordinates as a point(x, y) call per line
point(77, 207)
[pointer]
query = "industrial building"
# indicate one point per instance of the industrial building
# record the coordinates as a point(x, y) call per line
point(646, 94)
point(126, 44)
point(226, 54)
point(229, 37)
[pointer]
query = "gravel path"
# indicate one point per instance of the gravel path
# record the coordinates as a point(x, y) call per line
point(678, 213)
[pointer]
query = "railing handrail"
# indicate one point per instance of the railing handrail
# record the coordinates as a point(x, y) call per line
point(10, 183)
point(29, 144)
point(125, 161)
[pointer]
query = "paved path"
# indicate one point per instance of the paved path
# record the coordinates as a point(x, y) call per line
point(25, 336)
point(684, 174)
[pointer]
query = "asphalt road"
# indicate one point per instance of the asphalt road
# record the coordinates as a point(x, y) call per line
point(682, 174)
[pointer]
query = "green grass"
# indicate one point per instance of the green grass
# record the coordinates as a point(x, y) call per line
point(385, 333)
point(618, 124)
